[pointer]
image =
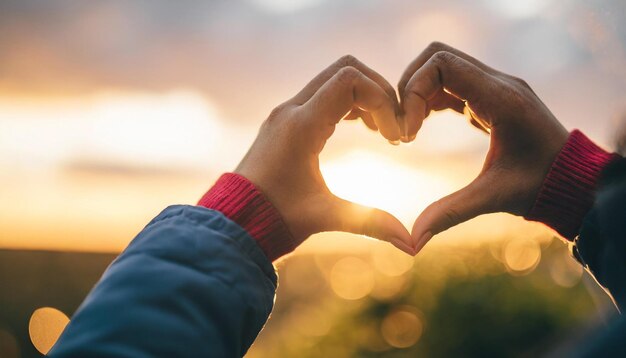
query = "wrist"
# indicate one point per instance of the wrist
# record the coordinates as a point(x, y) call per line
point(242, 202)
point(568, 190)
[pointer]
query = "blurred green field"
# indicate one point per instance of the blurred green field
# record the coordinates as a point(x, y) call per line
point(450, 301)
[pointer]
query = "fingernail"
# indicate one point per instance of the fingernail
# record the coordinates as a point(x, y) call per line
point(394, 142)
point(423, 240)
point(405, 139)
point(405, 127)
point(412, 138)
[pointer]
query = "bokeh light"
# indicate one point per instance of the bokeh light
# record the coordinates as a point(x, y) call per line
point(45, 327)
point(391, 261)
point(521, 256)
point(402, 327)
point(565, 271)
point(352, 278)
point(388, 287)
point(285, 6)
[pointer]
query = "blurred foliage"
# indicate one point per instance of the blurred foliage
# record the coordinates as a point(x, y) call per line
point(514, 297)
point(453, 302)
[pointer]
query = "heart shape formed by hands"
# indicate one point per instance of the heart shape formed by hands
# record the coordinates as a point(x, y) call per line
point(525, 138)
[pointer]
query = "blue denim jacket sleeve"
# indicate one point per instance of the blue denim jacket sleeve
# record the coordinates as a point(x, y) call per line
point(191, 284)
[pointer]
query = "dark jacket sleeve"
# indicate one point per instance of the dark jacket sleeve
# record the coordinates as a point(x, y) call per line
point(192, 283)
point(583, 198)
point(601, 245)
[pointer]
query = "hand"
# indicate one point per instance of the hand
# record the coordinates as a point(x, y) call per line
point(525, 136)
point(283, 161)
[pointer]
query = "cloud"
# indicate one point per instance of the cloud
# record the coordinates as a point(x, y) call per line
point(177, 131)
point(248, 56)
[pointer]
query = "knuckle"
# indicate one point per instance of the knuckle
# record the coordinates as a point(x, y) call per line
point(347, 60)
point(437, 46)
point(449, 215)
point(347, 75)
point(413, 94)
point(276, 113)
point(520, 82)
point(443, 57)
point(277, 110)
point(391, 93)
point(452, 217)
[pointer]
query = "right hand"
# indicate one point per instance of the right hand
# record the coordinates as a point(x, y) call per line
point(525, 135)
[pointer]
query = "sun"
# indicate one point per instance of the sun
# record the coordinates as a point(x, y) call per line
point(374, 180)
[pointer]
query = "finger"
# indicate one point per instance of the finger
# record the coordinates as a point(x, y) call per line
point(445, 71)
point(475, 199)
point(439, 102)
point(432, 49)
point(379, 224)
point(477, 121)
point(414, 108)
point(346, 61)
point(366, 117)
point(350, 88)
point(478, 125)
point(408, 128)
point(417, 109)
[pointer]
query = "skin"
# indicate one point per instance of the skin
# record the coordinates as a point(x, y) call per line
point(283, 161)
point(525, 137)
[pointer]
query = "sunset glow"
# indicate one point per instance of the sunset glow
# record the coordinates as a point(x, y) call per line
point(112, 111)
point(371, 179)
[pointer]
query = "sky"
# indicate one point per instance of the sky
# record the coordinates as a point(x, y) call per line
point(109, 111)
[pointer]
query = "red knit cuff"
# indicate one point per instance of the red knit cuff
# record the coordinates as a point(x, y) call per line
point(238, 199)
point(568, 191)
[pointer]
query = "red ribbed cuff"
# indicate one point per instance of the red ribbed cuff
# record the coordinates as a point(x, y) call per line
point(568, 191)
point(238, 199)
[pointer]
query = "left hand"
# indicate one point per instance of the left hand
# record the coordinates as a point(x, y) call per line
point(283, 161)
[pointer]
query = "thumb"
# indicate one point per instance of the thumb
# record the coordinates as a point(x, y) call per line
point(376, 223)
point(473, 200)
